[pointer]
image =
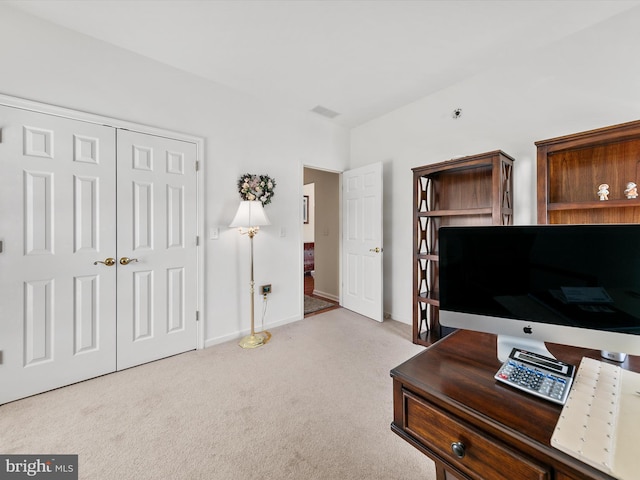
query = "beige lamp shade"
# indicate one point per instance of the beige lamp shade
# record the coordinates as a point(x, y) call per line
point(250, 214)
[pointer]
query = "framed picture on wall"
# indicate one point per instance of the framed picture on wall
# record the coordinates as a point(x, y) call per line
point(305, 209)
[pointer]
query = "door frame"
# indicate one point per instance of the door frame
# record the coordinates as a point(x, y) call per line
point(340, 174)
point(25, 104)
point(300, 222)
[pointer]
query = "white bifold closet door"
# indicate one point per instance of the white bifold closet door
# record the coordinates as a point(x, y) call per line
point(157, 299)
point(75, 199)
point(57, 217)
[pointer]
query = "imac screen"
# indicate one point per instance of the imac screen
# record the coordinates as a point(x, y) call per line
point(585, 276)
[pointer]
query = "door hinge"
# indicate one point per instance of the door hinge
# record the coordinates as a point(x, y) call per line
point(197, 315)
point(197, 240)
point(197, 165)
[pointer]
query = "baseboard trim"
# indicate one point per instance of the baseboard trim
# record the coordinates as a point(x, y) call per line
point(241, 333)
point(328, 296)
point(391, 316)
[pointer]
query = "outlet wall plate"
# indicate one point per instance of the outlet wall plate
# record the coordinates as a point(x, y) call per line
point(265, 289)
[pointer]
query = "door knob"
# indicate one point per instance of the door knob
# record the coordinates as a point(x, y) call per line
point(109, 262)
point(375, 250)
point(127, 260)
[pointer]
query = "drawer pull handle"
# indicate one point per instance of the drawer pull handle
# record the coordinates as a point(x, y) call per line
point(458, 449)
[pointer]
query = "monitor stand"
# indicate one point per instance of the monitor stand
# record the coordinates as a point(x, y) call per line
point(506, 343)
point(614, 356)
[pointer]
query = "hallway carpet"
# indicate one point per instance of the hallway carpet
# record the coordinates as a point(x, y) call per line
point(314, 304)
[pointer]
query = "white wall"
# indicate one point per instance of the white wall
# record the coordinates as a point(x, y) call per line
point(327, 231)
point(42, 62)
point(586, 81)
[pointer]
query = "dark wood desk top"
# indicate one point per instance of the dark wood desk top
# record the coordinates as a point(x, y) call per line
point(457, 372)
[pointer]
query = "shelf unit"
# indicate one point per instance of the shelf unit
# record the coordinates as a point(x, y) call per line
point(473, 190)
point(570, 169)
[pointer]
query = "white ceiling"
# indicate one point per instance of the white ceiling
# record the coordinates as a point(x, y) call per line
point(359, 58)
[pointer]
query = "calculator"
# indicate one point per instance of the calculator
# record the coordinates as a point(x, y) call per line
point(538, 375)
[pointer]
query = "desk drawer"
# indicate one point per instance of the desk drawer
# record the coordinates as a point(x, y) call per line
point(476, 455)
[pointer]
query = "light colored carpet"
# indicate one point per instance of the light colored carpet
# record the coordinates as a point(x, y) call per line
point(312, 304)
point(314, 403)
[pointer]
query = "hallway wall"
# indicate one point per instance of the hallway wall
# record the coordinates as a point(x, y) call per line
point(327, 231)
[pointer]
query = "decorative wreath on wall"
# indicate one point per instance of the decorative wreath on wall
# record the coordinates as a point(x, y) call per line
point(256, 187)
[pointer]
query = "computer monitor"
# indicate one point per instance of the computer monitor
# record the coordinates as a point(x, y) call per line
point(570, 284)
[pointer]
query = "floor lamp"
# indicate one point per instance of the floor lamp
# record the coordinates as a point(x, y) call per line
point(249, 217)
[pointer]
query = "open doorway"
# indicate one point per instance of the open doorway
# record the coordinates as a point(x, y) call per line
point(321, 234)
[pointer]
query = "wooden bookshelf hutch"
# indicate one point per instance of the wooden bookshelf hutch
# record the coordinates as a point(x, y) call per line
point(571, 168)
point(473, 190)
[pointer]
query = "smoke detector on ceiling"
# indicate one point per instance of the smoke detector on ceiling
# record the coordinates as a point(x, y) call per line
point(324, 111)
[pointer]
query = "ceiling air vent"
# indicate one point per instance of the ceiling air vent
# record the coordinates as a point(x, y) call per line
point(324, 111)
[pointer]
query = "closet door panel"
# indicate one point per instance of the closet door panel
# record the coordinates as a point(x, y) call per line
point(57, 218)
point(157, 228)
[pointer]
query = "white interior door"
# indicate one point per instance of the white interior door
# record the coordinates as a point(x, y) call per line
point(157, 228)
point(362, 241)
point(57, 218)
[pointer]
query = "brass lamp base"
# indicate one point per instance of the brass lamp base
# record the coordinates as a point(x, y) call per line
point(252, 341)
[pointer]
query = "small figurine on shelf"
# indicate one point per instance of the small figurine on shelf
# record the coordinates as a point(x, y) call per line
point(632, 190)
point(603, 191)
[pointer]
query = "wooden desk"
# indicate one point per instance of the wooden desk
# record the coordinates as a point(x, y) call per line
point(447, 394)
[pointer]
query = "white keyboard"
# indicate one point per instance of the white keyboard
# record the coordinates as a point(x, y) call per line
point(587, 427)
